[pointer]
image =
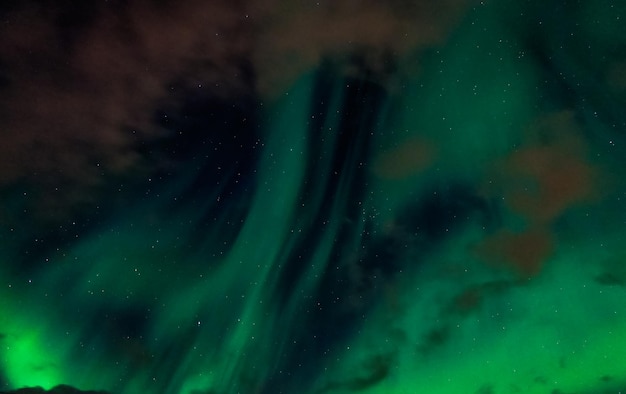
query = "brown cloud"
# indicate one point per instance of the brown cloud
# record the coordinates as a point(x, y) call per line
point(467, 301)
point(550, 172)
point(296, 37)
point(409, 158)
point(553, 180)
point(547, 175)
point(76, 101)
point(524, 253)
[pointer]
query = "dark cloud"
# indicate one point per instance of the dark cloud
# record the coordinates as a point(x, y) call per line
point(372, 371)
point(611, 279)
point(80, 85)
point(472, 297)
point(486, 389)
point(81, 89)
point(434, 339)
point(77, 82)
point(61, 389)
point(612, 272)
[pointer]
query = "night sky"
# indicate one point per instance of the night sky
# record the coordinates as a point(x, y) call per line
point(313, 197)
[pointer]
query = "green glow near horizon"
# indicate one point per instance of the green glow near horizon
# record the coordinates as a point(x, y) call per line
point(25, 353)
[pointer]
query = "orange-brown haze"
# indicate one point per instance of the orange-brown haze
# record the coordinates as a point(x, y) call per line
point(549, 174)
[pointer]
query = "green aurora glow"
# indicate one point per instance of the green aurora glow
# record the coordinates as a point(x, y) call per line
point(336, 279)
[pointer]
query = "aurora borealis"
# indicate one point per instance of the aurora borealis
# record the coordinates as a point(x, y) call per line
point(272, 196)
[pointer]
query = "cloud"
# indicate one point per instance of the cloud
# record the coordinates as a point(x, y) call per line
point(371, 372)
point(524, 253)
point(75, 108)
point(78, 99)
point(551, 173)
point(409, 158)
point(61, 389)
point(547, 175)
point(296, 37)
point(80, 86)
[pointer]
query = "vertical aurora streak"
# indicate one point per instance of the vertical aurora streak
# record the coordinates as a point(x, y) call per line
point(359, 213)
